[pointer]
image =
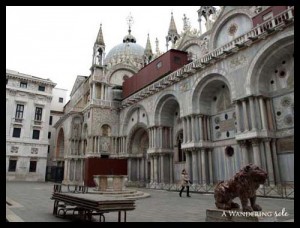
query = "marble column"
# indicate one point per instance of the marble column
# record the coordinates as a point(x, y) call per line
point(256, 152)
point(252, 114)
point(93, 92)
point(204, 128)
point(199, 167)
point(138, 167)
point(151, 169)
point(193, 128)
point(200, 128)
point(171, 168)
point(263, 113)
point(188, 129)
point(203, 166)
point(244, 153)
point(129, 169)
point(155, 169)
point(142, 170)
point(194, 166)
point(246, 123)
point(184, 130)
point(269, 114)
point(210, 165)
point(275, 162)
point(237, 115)
point(269, 161)
point(208, 128)
point(188, 162)
point(162, 180)
point(146, 170)
point(66, 171)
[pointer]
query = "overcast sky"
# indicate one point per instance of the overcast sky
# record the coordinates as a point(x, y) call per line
point(56, 42)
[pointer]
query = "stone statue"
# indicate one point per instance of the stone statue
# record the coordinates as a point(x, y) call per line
point(243, 185)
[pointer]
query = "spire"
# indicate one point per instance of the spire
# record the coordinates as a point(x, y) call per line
point(148, 49)
point(99, 49)
point(100, 40)
point(148, 54)
point(172, 27)
point(157, 47)
point(173, 35)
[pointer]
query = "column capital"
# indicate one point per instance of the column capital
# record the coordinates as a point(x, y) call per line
point(243, 143)
point(255, 142)
point(266, 139)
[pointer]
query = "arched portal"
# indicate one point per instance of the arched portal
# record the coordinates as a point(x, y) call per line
point(168, 123)
point(137, 161)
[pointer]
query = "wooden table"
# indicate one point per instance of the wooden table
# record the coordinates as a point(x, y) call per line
point(88, 204)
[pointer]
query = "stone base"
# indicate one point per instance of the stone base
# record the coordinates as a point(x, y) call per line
point(217, 215)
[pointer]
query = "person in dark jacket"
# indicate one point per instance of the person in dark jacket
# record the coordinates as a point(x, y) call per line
point(185, 182)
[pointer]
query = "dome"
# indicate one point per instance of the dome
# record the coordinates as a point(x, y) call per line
point(124, 51)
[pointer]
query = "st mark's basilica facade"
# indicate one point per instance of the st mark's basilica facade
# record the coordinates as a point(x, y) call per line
point(230, 104)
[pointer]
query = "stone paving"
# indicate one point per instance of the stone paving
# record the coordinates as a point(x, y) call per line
point(30, 202)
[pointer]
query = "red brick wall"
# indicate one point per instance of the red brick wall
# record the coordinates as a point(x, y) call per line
point(258, 19)
point(151, 72)
point(103, 166)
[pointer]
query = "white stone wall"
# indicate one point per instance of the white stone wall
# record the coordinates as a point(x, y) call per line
point(24, 148)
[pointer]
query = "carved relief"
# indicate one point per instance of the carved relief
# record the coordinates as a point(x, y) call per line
point(237, 62)
point(14, 149)
point(34, 150)
point(284, 111)
point(183, 87)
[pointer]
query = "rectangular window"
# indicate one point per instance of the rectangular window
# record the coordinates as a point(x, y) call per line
point(61, 100)
point(176, 59)
point(17, 132)
point(38, 113)
point(50, 120)
point(19, 111)
point(6, 81)
point(23, 84)
point(49, 135)
point(12, 165)
point(36, 134)
point(159, 65)
point(32, 166)
point(48, 149)
point(41, 88)
point(268, 16)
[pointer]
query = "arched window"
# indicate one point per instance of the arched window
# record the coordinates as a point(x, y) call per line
point(106, 130)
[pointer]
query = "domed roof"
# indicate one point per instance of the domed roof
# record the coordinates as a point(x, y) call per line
point(125, 50)
point(129, 49)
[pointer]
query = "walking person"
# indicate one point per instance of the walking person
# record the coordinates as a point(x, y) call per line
point(185, 182)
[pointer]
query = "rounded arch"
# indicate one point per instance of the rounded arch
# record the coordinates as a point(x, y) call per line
point(60, 143)
point(121, 67)
point(167, 106)
point(213, 79)
point(225, 18)
point(138, 139)
point(262, 56)
point(142, 111)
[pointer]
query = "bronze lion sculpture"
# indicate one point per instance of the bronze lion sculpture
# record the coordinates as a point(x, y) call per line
point(243, 185)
